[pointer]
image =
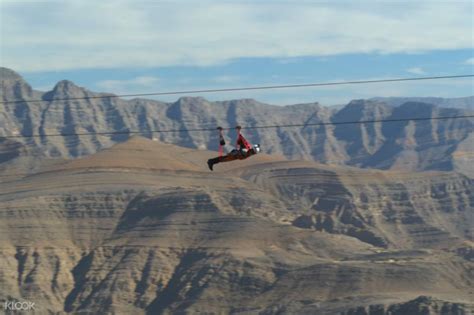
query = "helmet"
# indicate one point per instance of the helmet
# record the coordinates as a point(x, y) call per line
point(256, 148)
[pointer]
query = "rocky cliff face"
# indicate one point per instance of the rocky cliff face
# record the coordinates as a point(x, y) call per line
point(144, 228)
point(415, 145)
point(385, 209)
point(421, 305)
point(459, 102)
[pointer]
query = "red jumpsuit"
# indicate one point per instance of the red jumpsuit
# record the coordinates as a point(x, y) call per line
point(243, 151)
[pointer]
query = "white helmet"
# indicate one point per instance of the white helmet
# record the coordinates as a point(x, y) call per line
point(256, 148)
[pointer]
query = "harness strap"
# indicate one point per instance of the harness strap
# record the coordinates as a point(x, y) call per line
point(241, 141)
point(221, 141)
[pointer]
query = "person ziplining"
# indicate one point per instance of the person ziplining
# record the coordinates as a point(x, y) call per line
point(242, 151)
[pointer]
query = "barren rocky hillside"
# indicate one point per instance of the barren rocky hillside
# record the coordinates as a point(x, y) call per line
point(459, 102)
point(415, 145)
point(144, 228)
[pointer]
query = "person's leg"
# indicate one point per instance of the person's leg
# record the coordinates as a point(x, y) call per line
point(226, 158)
point(211, 162)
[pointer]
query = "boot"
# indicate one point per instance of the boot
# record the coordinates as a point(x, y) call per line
point(211, 163)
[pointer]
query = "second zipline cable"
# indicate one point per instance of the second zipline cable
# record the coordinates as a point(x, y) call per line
point(104, 133)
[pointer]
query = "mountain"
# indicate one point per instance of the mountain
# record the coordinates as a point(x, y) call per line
point(466, 103)
point(408, 145)
point(144, 228)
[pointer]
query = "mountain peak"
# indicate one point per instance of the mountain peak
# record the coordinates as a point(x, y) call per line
point(13, 86)
point(368, 105)
point(364, 103)
point(9, 75)
point(66, 85)
point(186, 100)
point(66, 88)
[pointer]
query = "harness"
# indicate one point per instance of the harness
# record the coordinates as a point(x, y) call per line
point(221, 141)
point(242, 145)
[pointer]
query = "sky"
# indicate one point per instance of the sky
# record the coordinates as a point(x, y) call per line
point(127, 46)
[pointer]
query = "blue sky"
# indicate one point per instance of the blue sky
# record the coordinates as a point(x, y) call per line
point(152, 46)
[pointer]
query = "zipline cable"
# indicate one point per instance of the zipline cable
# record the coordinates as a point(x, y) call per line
point(129, 132)
point(246, 88)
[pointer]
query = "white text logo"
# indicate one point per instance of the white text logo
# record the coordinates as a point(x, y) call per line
point(19, 306)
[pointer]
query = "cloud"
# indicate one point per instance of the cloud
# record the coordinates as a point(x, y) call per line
point(469, 61)
point(88, 35)
point(44, 87)
point(135, 84)
point(416, 70)
point(226, 79)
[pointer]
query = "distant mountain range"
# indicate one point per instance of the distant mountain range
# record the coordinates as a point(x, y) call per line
point(409, 145)
point(460, 102)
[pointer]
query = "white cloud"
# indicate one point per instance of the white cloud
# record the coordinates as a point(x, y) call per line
point(469, 61)
point(226, 79)
point(44, 87)
point(88, 34)
point(135, 84)
point(416, 70)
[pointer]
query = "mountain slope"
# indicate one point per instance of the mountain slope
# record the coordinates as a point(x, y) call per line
point(416, 145)
point(459, 102)
point(140, 228)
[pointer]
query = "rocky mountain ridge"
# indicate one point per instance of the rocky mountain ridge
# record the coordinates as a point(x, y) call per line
point(144, 228)
point(459, 102)
point(406, 145)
